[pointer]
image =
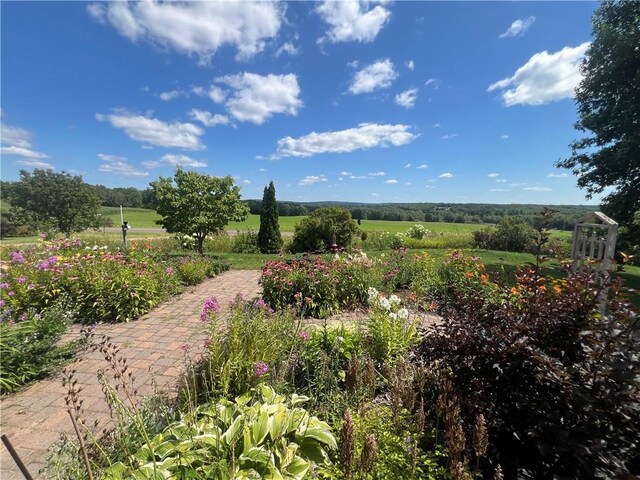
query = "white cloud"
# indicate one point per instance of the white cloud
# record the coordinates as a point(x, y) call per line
point(544, 78)
point(504, 137)
point(374, 194)
point(422, 166)
point(498, 190)
point(217, 94)
point(111, 158)
point(195, 28)
point(246, 182)
point(346, 174)
point(14, 136)
point(17, 141)
point(408, 184)
point(288, 48)
point(360, 177)
point(175, 160)
point(433, 82)
point(365, 135)
point(207, 119)
point(410, 65)
point(377, 174)
point(408, 165)
point(156, 132)
point(166, 96)
point(407, 98)
point(391, 181)
point(445, 175)
point(257, 98)
point(122, 168)
point(380, 74)
point(311, 179)
point(493, 175)
point(262, 170)
point(518, 27)
point(35, 164)
point(558, 175)
point(352, 20)
point(538, 189)
point(22, 152)
point(501, 180)
point(517, 184)
point(449, 136)
point(436, 125)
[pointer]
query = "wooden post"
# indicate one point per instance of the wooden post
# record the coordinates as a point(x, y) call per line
point(16, 458)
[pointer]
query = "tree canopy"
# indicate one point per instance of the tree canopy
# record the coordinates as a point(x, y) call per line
point(58, 201)
point(322, 228)
point(197, 204)
point(269, 238)
point(608, 101)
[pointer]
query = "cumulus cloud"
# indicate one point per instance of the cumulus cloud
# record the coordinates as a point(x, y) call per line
point(346, 174)
point(501, 180)
point(504, 137)
point(111, 158)
point(558, 175)
point(377, 174)
point(256, 98)
point(288, 48)
point(391, 181)
point(380, 74)
point(408, 165)
point(195, 28)
point(17, 142)
point(422, 166)
point(166, 96)
point(410, 65)
point(123, 169)
point(493, 175)
point(175, 160)
point(311, 179)
point(498, 190)
point(518, 27)
point(35, 164)
point(538, 189)
point(407, 99)
point(365, 135)
point(445, 175)
point(156, 132)
point(546, 77)
point(449, 136)
point(352, 20)
point(208, 119)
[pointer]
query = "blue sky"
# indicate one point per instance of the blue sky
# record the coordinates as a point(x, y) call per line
point(352, 101)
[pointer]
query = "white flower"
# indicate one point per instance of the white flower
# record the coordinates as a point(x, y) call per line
point(384, 303)
point(394, 299)
point(373, 293)
point(403, 313)
point(393, 316)
point(95, 247)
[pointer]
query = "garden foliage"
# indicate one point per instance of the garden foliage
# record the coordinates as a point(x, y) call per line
point(512, 234)
point(322, 228)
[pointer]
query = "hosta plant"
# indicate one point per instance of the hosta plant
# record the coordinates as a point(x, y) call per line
point(261, 436)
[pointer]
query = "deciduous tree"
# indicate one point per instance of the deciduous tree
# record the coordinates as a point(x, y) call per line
point(197, 204)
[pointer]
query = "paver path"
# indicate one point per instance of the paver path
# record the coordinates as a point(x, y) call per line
point(34, 418)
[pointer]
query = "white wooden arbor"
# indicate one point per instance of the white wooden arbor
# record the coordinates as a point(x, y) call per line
point(594, 242)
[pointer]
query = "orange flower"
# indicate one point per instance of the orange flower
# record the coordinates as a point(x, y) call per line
point(557, 289)
point(469, 274)
point(484, 278)
point(514, 290)
point(542, 288)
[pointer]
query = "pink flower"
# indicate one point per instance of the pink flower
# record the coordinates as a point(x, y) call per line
point(304, 336)
point(210, 305)
point(169, 271)
point(260, 369)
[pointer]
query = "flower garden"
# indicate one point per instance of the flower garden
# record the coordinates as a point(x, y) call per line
point(518, 375)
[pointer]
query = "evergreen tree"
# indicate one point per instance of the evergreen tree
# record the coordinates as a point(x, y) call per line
point(269, 238)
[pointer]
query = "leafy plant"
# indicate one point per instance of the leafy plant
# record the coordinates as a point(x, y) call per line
point(246, 242)
point(263, 435)
point(323, 228)
point(512, 234)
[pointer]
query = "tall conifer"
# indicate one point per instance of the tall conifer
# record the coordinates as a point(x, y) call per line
point(269, 238)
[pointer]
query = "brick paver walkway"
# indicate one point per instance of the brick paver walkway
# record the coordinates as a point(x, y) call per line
point(34, 418)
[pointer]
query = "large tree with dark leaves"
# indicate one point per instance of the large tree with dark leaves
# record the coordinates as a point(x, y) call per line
point(57, 201)
point(608, 100)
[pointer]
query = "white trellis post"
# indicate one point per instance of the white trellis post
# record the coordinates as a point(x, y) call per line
point(595, 244)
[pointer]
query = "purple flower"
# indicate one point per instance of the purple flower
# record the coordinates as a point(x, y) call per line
point(43, 235)
point(2, 303)
point(260, 369)
point(21, 279)
point(22, 317)
point(210, 305)
point(169, 271)
point(31, 286)
point(17, 257)
point(304, 336)
point(11, 293)
point(4, 285)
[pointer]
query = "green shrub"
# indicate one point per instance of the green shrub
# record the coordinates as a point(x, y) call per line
point(323, 227)
point(269, 238)
point(417, 231)
point(512, 234)
point(28, 347)
point(257, 436)
point(246, 242)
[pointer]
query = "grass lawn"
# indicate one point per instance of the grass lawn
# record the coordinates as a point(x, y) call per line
point(137, 217)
